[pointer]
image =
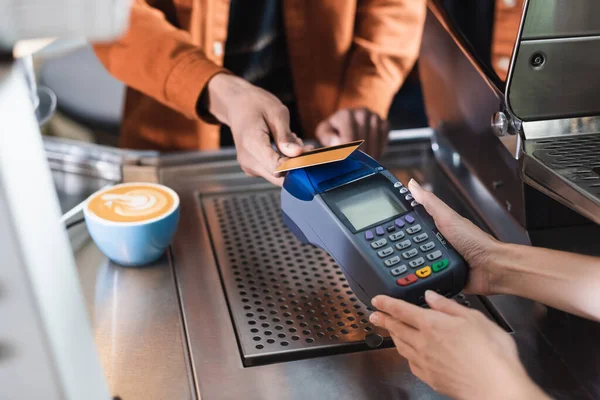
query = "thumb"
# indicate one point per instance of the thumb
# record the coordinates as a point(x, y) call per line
point(327, 134)
point(286, 141)
point(442, 304)
point(434, 206)
point(289, 144)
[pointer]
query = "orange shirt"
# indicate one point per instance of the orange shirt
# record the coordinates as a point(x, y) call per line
point(506, 28)
point(343, 53)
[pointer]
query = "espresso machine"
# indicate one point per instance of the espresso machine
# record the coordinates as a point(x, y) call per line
point(530, 144)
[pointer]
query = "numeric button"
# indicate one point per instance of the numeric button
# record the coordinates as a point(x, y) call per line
point(392, 261)
point(385, 252)
point(403, 245)
point(396, 236)
point(427, 246)
point(379, 244)
point(399, 270)
point(434, 256)
point(417, 262)
point(413, 229)
point(410, 253)
point(421, 238)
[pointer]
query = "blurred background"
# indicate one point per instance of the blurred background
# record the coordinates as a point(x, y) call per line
point(89, 101)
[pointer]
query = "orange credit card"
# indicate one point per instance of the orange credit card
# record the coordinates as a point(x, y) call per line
point(324, 155)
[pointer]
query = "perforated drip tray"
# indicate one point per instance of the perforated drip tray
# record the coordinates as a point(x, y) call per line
point(576, 158)
point(287, 300)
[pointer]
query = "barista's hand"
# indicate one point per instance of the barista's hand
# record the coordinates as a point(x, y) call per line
point(254, 116)
point(476, 246)
point(355, 124)
point(457, 351)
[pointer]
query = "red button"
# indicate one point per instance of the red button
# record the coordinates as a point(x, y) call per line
point(407, 280)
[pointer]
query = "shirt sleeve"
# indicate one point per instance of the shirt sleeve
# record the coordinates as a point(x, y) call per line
point(507, 19)
point(387, 40)
point(159, 60)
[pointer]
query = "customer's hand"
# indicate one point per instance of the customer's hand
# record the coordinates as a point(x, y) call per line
point(477, 247)
point(355, 124)
point(455, 350)
point(255, 116)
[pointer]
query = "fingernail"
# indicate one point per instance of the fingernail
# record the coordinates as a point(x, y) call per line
point(414, 183)
point(375, 302)
point(430, 295)
point(374, 318)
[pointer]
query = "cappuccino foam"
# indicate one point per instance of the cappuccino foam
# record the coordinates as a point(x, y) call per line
point(131, 203)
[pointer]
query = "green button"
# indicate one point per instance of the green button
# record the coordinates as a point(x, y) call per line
point(440, 265)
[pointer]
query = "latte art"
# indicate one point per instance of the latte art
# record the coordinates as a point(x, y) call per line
point(131, 203)
point(135, 203)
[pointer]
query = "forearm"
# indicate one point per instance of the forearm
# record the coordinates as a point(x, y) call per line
point(159, 60)
point(565, 281)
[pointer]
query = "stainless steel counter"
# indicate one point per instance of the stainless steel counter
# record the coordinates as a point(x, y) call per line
point(214, 350)
point(135, 313)
point(137, 323)
point(165, 331)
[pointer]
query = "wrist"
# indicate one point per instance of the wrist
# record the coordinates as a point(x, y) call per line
point(500, 267)
point(216, 97)
point(516, 386)
point(528, 390)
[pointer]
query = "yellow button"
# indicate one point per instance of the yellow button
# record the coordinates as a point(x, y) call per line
point(424, 272)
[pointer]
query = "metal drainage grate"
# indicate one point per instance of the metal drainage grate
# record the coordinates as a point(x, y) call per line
point(288, 300)
point(577, 158)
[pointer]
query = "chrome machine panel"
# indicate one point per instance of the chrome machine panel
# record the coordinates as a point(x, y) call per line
point(555, 63)
point(552, 87)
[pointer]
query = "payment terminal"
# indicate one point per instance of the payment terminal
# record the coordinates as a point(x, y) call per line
point(367, 220)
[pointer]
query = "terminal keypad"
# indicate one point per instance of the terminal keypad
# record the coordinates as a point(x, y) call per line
point(402, 247)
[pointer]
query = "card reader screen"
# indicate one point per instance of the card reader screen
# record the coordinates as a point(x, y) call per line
point(369, 207)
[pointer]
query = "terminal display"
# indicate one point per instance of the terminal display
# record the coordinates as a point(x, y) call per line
point(363, 209)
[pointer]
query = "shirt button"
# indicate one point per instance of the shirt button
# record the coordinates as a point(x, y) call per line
point(503, 63)
point(510, 3)
point(218, 49)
